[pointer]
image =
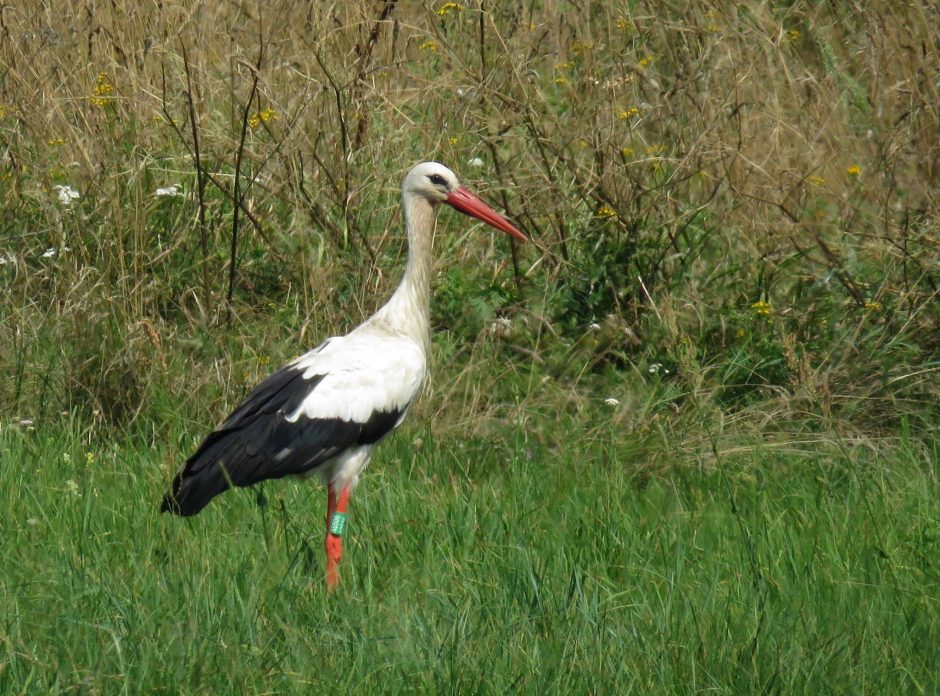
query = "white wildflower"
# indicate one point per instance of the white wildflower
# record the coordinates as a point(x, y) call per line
point(594, 326)
point(66, 194)
point(475, 162)
point(26, 422)
point(52, 252)
point(500, 327)
point(171, 191)
point(611, 401)
point(72, 487)
point(654, 368)
point(6, 258)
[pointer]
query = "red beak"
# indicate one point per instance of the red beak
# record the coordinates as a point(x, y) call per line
point(469, 204)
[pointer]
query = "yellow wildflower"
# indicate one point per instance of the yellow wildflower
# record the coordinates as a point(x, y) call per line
point(712, 27)
point(101, 91)
point(816, 180)
point(563, 66)
point(741, 333)
point(793, 34)
point(453, 140)
point(761, 308)
point(55, 141)
point(624, 24)
point(626, 151)
point(449, 7)
point(89, 457)
point(645, 61)
point(262, 117)
point(561, 80)
point(854, 170)
point(428, 46)
point(605, 211)
point(632, 111)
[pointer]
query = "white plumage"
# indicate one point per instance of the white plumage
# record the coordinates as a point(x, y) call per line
point(324, 412)
point(363, 373)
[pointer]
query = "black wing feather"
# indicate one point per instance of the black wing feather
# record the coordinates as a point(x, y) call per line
point(256, 442)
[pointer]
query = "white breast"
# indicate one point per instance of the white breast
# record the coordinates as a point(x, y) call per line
point(361, 373)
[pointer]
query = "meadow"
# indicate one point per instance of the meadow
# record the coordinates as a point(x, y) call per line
point(685, 440)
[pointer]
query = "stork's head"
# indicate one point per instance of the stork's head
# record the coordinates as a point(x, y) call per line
point(437, 184)
point(432, 181)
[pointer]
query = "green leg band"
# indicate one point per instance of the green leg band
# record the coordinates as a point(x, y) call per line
point(338, 524)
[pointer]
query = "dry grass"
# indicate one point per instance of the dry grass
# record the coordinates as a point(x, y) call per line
point(675, 167)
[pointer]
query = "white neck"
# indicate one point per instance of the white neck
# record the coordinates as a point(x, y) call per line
point(408, 310)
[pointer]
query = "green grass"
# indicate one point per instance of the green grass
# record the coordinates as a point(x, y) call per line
point(474, 566)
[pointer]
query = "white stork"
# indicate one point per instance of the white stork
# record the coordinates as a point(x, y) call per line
point(323, 413)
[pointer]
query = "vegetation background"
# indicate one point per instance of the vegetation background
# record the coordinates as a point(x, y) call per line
point(685, 440)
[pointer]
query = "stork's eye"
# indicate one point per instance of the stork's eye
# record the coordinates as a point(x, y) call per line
point(437, 180)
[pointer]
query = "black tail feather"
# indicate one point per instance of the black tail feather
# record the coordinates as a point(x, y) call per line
point(190, 494)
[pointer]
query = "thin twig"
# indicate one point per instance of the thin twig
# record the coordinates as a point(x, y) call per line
point(200, 180)
point(236, 188)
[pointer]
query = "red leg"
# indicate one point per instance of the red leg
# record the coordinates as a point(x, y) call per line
point(330, 504)
point(335, 526)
